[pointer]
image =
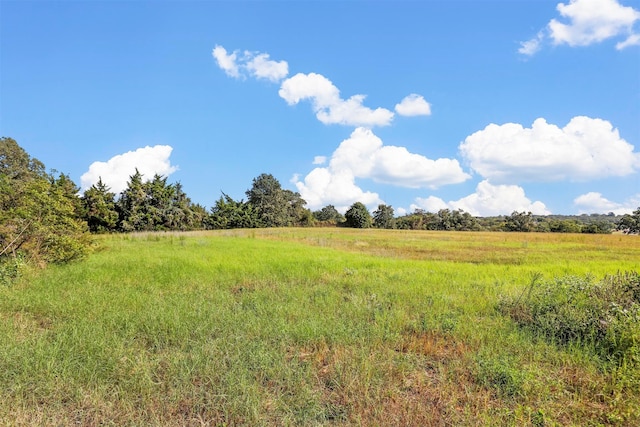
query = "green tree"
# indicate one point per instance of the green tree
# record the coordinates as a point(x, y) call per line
point(157, 205)
point(199, 215)
point(132, 204)
point(182, 214)
point(269, 201)
point(16, 165)
point(445, 220)
point(630, 224)
point(565, 226)
point(419, 220)
point(228, 213)
point(597, 227)
point(519, 221)
point(275, 206)
point(358, 216)
point(329, 213)
point(463, 221)
point(100, 208)
point(70, 191)
point(412, 221)
point(383, 217)
point(39, 213)
point(296, 211)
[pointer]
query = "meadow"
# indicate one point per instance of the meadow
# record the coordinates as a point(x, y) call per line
point(308, 327)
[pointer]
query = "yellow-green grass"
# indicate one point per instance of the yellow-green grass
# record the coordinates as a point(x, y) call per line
point(305, 327)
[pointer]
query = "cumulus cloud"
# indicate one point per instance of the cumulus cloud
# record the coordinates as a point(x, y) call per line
point(583, 150)
point(253, 64)
point(364, 156)
point(587, 22)
point(116, 171)
point(319, 160)
point(324, 186)
point(532, 46)
point(263, 68)
point(488, 200)
point(592, 21)
point(413, 105)
point(594, 202)
point(326, 102)
point(227, 62)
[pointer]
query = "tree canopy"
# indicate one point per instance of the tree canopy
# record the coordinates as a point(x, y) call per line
point(383, 217)
point(328, 213)
point(630, 224)
point(40, 214)
point(275, 206)
point(156, 205)
point(358, 216)
point(228, 213)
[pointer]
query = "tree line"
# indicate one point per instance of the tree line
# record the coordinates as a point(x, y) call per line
point(44, 218)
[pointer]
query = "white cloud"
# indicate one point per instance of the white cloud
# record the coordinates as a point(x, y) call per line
point(116, 171)
point(588, 22)
point(363, 155)
point(488, 200)
point(584, 149)
point(226, 62)
point(413, 105)
point(324, 96)
point(327, 104)
point(323, 186)
point(254, 64)
point(396, 165)
point(632, 40)
point(319, 160)
point(430, 204)
point(263, 68)
point(401, 211)
point(532, 46)
point(592, 21)
point(594, 202)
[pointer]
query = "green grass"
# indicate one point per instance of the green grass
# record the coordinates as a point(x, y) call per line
point(306, 327)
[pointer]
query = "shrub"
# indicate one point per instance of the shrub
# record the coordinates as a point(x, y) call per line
point(603, 314)
point(358, 216)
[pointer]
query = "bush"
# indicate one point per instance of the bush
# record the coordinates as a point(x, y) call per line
point(358, 216)
point(40, 214)
point(572, 310)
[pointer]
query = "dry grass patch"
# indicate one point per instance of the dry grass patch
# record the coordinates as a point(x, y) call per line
point(437, 346)
point(25, 325)
point(427, 380)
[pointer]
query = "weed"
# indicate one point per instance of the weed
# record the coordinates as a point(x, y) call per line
point(11, 268)
point(500, 373)
point(604, 315)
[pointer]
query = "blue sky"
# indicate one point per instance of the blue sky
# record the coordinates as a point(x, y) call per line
point(486, 106)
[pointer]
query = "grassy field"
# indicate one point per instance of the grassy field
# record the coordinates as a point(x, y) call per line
point(307, 327)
